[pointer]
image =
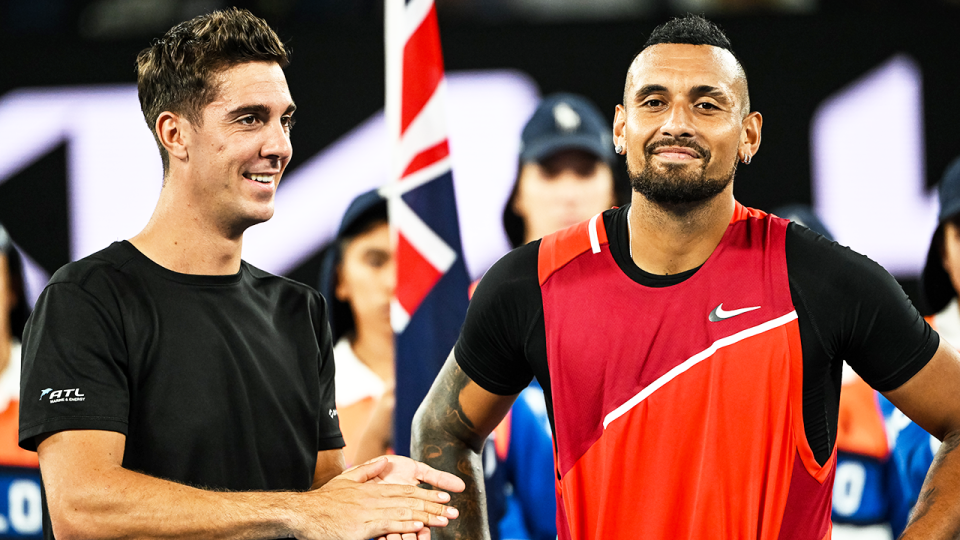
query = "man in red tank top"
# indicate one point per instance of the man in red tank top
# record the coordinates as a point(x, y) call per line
point(689, 347)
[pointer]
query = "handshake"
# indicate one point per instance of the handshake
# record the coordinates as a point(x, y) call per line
point(380, 499)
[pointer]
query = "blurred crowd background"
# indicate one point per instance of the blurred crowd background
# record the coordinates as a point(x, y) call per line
point(855, 97)
point(110, 19)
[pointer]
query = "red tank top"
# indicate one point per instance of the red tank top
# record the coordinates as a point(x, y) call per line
point(678, 411)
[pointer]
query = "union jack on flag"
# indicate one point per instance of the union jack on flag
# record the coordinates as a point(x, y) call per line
point(431, 295)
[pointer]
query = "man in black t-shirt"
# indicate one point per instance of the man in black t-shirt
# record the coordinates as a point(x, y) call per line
point(690, 349)
point(173, 390)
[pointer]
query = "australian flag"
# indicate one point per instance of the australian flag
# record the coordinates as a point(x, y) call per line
point(431, 295)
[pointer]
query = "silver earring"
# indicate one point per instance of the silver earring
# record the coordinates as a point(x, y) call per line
point(746, 159)
point(618, 149)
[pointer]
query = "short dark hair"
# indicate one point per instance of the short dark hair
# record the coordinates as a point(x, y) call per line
point(177, 73)
point(690, 30)
point(693, 30)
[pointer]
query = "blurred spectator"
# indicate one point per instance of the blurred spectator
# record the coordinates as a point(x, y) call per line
point(564, 177)
point(939, 284)
point(14, 311)
point(357, 279)
point(565, 174)
point(941, 275)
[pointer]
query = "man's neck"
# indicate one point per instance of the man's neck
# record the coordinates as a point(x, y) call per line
point(180, 239)
point(670, 240)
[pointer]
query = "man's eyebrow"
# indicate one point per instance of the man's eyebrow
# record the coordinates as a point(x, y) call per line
point(648, 89)
point(710, 91)
point(258, 109)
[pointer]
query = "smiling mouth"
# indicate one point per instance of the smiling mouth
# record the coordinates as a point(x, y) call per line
point(676, 153)
point(261, 178)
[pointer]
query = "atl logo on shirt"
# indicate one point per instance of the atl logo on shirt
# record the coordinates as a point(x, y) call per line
point(56, 396)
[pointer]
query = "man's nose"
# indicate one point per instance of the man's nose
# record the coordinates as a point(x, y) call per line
point(679, 122)
point(277, 145)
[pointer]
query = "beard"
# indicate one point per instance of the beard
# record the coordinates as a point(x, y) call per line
point(677, 184)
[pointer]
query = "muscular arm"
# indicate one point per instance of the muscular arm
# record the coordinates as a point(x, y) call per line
point(930, 400)
point(90, 495)
point(448, 434)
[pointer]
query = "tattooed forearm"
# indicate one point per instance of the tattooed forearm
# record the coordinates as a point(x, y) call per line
point(930, 493)
point(445, 438)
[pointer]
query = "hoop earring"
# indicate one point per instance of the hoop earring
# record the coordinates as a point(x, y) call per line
point(746, 159)
point(618, 149)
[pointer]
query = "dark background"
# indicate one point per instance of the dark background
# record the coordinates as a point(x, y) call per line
point(793, 63)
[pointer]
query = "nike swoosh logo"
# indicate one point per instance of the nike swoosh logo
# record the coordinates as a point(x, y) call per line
point(719, 314)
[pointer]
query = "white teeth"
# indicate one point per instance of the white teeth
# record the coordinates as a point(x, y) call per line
point(262, 178)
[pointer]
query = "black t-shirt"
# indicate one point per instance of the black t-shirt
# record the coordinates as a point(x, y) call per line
point(222, 382)
point(848, 308)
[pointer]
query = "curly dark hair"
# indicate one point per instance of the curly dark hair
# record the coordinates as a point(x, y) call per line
point(177, 73)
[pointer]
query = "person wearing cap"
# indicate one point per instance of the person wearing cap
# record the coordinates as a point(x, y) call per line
point(565, 172)
point(940, 279)
point(14, 311)
point(915, 449)
point(358, 278)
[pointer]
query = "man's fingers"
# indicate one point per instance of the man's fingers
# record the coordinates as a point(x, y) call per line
point(412, 492)
point(440, 479)
point(413, 510)
point(437, 509)
point(393, 528)
point(398, 523)
point(366, 471)
point(408, 514)
point(403, 470)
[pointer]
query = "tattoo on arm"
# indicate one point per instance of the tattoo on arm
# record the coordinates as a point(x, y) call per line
point(446, 439)
point(929, 494)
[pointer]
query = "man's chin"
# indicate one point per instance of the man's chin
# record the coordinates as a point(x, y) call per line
point(680, 193)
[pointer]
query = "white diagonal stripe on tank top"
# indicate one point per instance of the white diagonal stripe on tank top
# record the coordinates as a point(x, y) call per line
point(694, 360)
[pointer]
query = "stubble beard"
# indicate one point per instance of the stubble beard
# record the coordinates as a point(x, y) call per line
point(677, 186)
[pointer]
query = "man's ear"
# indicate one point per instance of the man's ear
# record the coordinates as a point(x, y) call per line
point(620, 126)
point(174, 134)
point(750, 134)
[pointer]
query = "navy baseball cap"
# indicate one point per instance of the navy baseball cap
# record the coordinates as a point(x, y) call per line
point(361, 210)
point(936, 290)
point(566, 122)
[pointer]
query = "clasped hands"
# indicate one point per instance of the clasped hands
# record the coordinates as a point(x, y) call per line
point(381, 499)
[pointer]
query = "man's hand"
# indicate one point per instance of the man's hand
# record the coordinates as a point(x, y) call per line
point(379, 499)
